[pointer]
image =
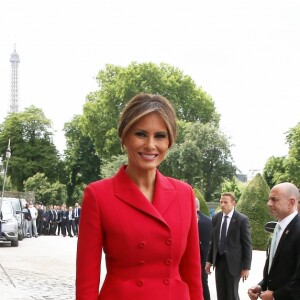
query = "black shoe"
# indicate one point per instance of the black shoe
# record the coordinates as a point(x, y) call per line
point(71, 235)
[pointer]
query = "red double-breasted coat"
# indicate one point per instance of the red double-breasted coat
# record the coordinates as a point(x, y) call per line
point(151, 249)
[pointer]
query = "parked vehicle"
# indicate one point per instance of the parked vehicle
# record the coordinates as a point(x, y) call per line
point(9, 230)
point(17, 206)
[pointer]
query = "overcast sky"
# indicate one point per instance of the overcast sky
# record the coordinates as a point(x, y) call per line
point(245, 54)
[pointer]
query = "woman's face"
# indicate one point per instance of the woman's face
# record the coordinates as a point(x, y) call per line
point(147, 143)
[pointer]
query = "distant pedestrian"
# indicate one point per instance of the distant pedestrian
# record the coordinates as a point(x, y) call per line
point(34, 214)
point(71, 222)
point(76, 218)
point(39, 220)
point(27, 220)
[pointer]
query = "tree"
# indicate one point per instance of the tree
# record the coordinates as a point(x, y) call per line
point(202, 203)
point(118, 84)
point(275, 171)
point(82, 164)
point(203, 159)
point(44, 191)
point(253, 203)
point(40, 185)
point(286, 168)
point(32, 146)
point(235, 186)
point(111, 166)
point(292, 162)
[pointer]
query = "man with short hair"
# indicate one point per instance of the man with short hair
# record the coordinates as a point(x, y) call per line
point(230, 250)
point(281, 276)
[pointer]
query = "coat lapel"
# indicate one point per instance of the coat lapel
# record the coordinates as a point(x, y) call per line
point(219, 223)
point(287, 232)
point(164, 193)
point(127, 191)
point(232, 224)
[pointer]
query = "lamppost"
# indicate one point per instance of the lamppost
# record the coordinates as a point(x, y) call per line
point(8, 154)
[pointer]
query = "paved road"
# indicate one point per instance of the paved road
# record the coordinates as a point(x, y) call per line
point(43, 268)
point(40, 268)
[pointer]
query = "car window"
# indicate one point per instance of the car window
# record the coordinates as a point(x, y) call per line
point(6, 208)
point(16, 204)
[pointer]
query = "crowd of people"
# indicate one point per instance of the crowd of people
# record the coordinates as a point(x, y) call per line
point(50, 220)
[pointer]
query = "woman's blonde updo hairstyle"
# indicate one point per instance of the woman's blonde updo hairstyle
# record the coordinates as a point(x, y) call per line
point(144, 104)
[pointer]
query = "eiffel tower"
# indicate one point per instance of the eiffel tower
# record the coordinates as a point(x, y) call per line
point(14, 96)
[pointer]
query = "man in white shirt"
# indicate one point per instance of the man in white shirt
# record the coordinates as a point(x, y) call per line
point(34, 213)
point(76, 218)
point(71, 222)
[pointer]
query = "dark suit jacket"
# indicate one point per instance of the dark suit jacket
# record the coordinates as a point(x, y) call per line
point(284, 276)
point(238, 243)
point(205, 228)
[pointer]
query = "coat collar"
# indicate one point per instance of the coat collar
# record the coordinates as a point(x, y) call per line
point(127, 191)
point(287, 232)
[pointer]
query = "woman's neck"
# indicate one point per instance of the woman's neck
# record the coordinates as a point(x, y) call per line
point(145, 181)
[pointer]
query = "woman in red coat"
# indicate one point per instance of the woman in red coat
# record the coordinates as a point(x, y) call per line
point(144, 222)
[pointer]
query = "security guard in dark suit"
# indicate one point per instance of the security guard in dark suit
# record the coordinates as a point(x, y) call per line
point(230, 251)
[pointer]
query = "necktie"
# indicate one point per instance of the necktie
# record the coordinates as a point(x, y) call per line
point(223, 236)
point(273, 244)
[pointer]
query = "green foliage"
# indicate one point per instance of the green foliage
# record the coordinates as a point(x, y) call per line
point(8, 186)
point(119, 84)
point(235, 186)
point(32, 147)
point(274, 171)
point(44, 191)
point(203, 205)
point(77, 195)
point(58, 193)
point(292, 162)
point(202, 159)
point(40, 185)
point(82, 163)
point(282, 169)
point(253, 203)
point(110, 167)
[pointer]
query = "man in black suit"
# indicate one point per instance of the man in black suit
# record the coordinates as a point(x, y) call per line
point(204, 229)
point(230, 251)
point(39, 220)
point(281, 276)
point(76, 212)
